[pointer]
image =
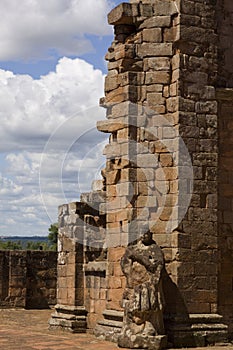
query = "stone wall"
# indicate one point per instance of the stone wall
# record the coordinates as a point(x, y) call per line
point(225, 31)
point(225, 187)
point(28, 279)
point(155, 64)
point(197, 241)
point(168, 169)
point(141, 105)
point(81, 286)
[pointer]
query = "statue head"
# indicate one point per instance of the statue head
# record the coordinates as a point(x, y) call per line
point(147, 238)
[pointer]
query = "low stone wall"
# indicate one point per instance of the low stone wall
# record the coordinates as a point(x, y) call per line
point(28, 279)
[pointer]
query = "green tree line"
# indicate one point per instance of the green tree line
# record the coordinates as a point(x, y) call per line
point(34, 245)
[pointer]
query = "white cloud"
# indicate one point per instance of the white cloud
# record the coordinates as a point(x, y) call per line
point(47, 129)
point(9, 188)
point(30, 110)
point(32, 29)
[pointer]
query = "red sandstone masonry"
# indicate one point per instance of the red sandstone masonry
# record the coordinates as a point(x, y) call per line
point(163, 63)
point(28, 279)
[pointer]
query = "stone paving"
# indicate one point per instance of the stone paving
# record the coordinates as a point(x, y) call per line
point(28, 330)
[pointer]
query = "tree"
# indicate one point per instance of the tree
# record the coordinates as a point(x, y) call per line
point(52, 237)
point(10, 245)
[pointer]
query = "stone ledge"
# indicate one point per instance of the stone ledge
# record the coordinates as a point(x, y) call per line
point(110, 327)
point(196, 330)
point(109, 126)
point(69, 318)
point(123, 14)
point(114, 314)
point(77, 310)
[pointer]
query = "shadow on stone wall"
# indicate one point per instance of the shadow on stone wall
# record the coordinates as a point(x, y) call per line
point(28, 279)
point(176, 316)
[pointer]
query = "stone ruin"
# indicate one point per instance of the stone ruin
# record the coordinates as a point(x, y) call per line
point(28, 279)
point(169, 163)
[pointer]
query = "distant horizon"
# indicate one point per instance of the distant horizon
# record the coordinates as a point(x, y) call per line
point(20, 237)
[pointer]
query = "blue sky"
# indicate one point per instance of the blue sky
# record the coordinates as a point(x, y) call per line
point(51, 78)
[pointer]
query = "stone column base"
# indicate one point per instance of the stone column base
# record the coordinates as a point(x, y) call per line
point(198, 330)
point(138, 341)
point(110, 328)
point(69, 318)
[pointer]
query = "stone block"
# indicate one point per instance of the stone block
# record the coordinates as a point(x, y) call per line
point(156, 21)
point(113, 177)
point(131, 78)
point(157, 64)
point(172, 104)
point(115, 295)
point(153, 35)
point(122, 94)
point(97, 185)
point(62, 295)
point(111, 125)
point(114, 305)
point(175, 75)
point(159, 226)
point(147, 201)
point(159, 77)
point(145, 9)
point(171, 34)
point(165, 8)
point(186, 105)
point(209, 107)
point(154, 49)
point(166, 173)
point(155, 98)
point(111, 82)
point(68, 245)
point(147, 161)
point(123, 14)
point(115, 282)
point(166, 160)
point(111, 191)
point(122, 136)
point(125, 51)
point(100, 307)
point(115, 254)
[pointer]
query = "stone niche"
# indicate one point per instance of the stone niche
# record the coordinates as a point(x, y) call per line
point(168, 166)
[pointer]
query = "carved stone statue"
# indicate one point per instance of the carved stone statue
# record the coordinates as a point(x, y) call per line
point(143, 303)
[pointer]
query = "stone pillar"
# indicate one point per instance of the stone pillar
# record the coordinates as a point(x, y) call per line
point(81, 268)
point(70, 313)
point(162, 115)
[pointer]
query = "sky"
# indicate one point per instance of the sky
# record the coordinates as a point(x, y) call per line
point(52, 72)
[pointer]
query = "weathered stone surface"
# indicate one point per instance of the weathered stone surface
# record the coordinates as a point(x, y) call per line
point(142, 265)
point(28, 279)
point(164, 8)
point(165, 59)
point(123, 14)
point(152, 35)
point(154, 49)
point(156, 21)
point(112, 125)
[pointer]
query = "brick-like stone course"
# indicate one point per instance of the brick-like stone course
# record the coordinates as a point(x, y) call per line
point(28, 279)
point(167, 146)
